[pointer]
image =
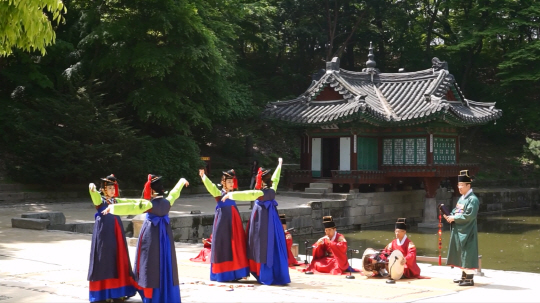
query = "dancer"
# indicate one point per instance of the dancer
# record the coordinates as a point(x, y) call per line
point(267, 249)
point(228, 260)
point(156, 270)
point(109, 273)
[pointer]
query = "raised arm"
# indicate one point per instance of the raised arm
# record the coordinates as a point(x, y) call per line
point(210, 187)
point(245, 195)
point(276, 175)
point(128, 208)
point(94, 194)
point(175, 192)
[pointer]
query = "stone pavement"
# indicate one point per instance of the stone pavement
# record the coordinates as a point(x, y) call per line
point(51, 266)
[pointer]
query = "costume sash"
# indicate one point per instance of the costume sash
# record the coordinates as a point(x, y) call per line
point(157, 219)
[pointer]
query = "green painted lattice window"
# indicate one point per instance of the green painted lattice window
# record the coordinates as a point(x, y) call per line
point(444, 150)
point(406, 151)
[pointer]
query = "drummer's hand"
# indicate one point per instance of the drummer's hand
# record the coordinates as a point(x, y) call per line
point(106, 210)
point(225, 197)
point(403, 261)
point(92, 187)
point(201, 173)
point(280, 161)
point(450, 219)
point(322, 240)
point(204, 241)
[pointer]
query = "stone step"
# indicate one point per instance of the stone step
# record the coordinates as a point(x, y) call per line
point(30, 223)
point(321, 185)
point(55, 217)
point(318, 190)
point(331, 196)
point(79, 227)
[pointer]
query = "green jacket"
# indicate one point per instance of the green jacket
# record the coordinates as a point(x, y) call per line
point(463, 246)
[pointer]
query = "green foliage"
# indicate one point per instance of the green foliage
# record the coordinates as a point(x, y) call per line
point(172, 157)
point(170, 61)
point(26, 24)
point(138, 86)
point(532, 148)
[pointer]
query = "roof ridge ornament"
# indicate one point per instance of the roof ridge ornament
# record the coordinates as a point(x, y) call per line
point(370, 63)
point(332, 66)
point(437, 64)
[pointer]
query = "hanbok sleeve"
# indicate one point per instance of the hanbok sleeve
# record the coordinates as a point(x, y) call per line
point(175, 192)
point(275, 177)
point(211, 187)
point(246, 195)
point(96, 197)
point(124, 209)
point(125, 200)
point(411, 254)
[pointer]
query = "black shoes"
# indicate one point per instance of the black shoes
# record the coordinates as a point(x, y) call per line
point(468, 281)
point(463, 275)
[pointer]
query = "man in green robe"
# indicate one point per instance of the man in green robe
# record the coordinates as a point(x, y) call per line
point(463, 246)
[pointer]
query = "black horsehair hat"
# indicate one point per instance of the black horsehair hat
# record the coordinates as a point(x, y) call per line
point(156, 183)
point(230, 174)
point(400, 224)
point(328, 222)
point(464, 177)
point(109, 179)
point(282, 218)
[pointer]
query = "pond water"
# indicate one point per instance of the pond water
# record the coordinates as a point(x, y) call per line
point(506, 241)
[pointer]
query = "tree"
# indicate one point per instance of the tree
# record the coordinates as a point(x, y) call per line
point(26, 24)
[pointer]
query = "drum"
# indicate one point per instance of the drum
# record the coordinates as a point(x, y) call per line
point(394, 265)
point(370, 269)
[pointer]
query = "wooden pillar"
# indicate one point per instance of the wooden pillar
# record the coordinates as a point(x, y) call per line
point(303, 155)
point(308, 154)
point(430, 149)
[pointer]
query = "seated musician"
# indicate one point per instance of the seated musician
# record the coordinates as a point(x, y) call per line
point(406, 247)
point(330, 251)
point(204, 254)
point(288, 238)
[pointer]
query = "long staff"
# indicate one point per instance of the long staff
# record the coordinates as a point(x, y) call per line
point(440, 234)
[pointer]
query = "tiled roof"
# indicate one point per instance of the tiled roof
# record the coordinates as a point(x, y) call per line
point(384, 99)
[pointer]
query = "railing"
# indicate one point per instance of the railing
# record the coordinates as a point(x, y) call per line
point(385, 174)
point(297, 176)
point(433, 170)
point(358, 176)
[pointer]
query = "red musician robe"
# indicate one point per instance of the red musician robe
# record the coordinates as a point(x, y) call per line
point(291, 258)
point(408, 250)
point(204, 255)
point(330, 256)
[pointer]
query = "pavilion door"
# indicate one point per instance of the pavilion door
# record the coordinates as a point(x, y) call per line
point(344, 153)
point(330, 156)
